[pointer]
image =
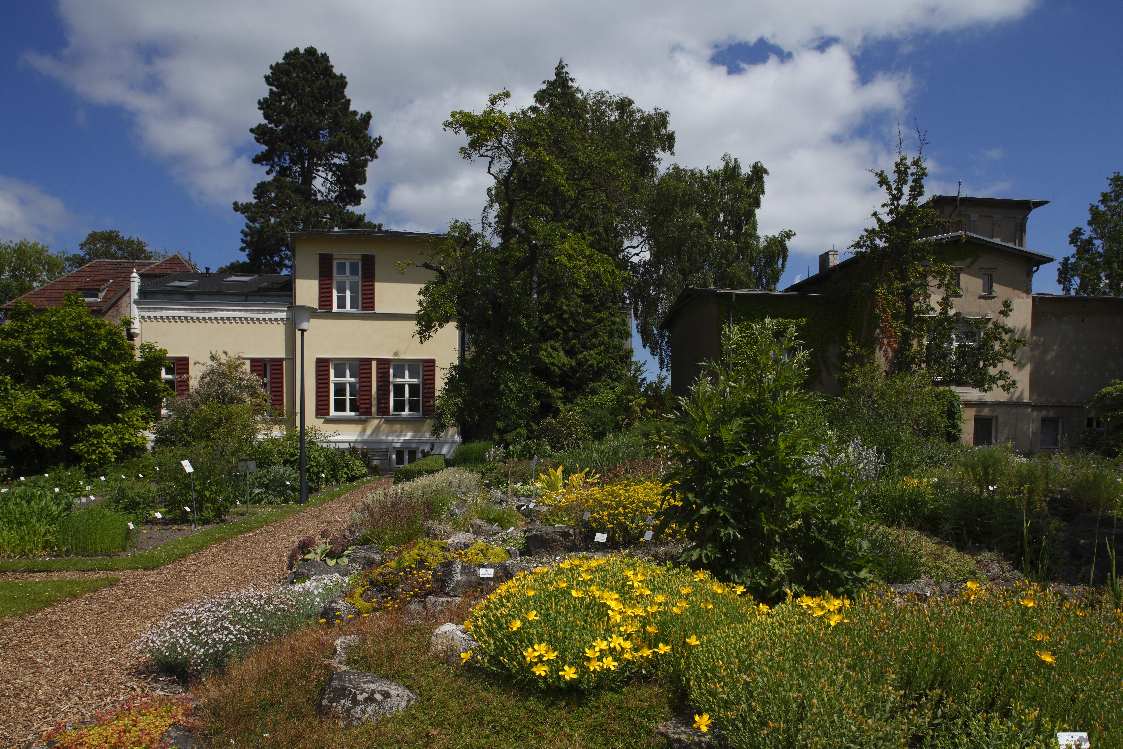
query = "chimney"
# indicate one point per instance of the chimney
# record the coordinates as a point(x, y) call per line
point(134, 316)
point(828, 260)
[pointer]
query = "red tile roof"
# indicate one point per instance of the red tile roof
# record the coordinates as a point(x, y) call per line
point(109, 277)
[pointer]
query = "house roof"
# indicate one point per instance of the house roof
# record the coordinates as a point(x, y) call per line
point(1028, 203)
point(1038, 258)
point(366, 233)
point(230, 286)
point(109, 279)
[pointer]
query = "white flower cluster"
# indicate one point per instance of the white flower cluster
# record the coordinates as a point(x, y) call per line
point(853, 459)
point(202, 636)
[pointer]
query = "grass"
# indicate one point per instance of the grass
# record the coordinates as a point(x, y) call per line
point(175, 549)
point(18, 597)
point(270, 699)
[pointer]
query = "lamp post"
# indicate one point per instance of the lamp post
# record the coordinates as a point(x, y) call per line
point(301, 318)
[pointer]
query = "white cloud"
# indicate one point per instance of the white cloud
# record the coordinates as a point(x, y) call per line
point(26, 212)
point(190, 75)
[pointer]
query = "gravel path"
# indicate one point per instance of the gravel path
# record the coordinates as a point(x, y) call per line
point(70, 659)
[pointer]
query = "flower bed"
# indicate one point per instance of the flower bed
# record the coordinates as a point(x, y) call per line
point(624, 510)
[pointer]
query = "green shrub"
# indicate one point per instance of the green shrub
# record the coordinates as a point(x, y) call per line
point(471, 453)
point(29, 518)
point(754, 500)
point(884, 674)
point(278, 484)
point(327, 466)
point(137, 498)
point(901, 555)
point(604, 454)
point(93, 531)
point(905, 500)
point(428, 464)
point(504, 517)
point(397, 515)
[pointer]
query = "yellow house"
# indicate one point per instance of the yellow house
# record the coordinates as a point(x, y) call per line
point(369, 382)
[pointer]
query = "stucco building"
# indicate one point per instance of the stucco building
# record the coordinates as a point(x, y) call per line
point(1074, 345)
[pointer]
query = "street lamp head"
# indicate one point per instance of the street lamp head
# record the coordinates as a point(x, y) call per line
point(301, 316)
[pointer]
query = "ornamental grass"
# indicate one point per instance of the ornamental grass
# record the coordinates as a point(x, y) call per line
point(589, 623)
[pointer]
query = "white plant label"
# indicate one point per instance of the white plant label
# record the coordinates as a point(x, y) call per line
point(648, 535)
point(158, 515)
point(1073, 740)
point(186, 508)
point(649, 520)
point(487, 572)
point(532, 505)
point(587, 515)
point(601, 538)
point(186, 466)
point(131, 526)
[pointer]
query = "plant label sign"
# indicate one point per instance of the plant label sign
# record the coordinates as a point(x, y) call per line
point(587, 515)
point(647, 536)
point(186, 466)
point(601, 538)
point(1073, 740)
point(487, 572)
point(649, 520)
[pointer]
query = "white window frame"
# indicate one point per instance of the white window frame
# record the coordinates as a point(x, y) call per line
point(352, 284)
point(349, 379)
point(409, 385)
point(402, 456)
point(169, 379)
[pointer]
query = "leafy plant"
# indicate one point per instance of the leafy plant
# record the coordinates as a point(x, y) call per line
point(93, 531)
point(623, 510)
point(428, 464)
point(901, 555)
point(471, 453)
point(275, 484)
point(29, 519)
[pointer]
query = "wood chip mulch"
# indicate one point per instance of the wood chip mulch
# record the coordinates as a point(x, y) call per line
point(73, 658)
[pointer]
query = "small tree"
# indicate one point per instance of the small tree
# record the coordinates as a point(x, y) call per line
point(742, 449)
point(110, 244)
point(73, 389)
point(227, 404)
point(1107, 407)
point(1095, 267)
point(25, 265)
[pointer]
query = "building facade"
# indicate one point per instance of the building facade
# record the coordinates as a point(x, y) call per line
point(1074, 345)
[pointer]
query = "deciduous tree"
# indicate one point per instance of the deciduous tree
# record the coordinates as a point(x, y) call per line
point(1095, 267)
point(25, 265)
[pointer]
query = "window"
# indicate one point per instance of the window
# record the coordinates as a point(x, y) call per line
point(984, 430)
point(1095, 424)
point(404, 455)
point(347, 294)
point(167, 374)
point(956, 282)
point(1050, 432)
point(344, 388)
point(405, 389)
point(91, 295)
point(988, 283)
point(266, 375)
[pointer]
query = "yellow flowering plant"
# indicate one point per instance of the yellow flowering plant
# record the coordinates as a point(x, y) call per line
point(620, 509)
point(592, 622)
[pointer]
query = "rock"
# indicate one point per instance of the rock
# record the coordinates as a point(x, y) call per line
point(459, 541)
point(484, 528)
point(356, 697)
point(339, 609)
point(449, 641)
point(432, 605)
point(550, 539)
point(455, 578)
point(178, 737)
point(437, 529)
point(342, 646)
point(306, 569)
point(680, 734)
point(363, 557)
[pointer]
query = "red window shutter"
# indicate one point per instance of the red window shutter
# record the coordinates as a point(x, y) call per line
point(277, 385)
point(182, 375)
point(327, 279)
point(367, 283)
point(323, 387)
point(257, 366)
point(382, 382)
point(365, 387)
point(428, 386)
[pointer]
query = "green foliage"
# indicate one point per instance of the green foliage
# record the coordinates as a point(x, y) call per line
point(421, 467)
point(907, 419)
point(327, 466)
point(740, 450)
point(276, 484)
point(110, 244)
point(93, 531)
point(73, 389)
point(397, 515)
point(226, 408)
point(901, 555)
point(540, 290)
point(1107, 405)
point(1095, 267)
point(892, 675)
point(29, 519)
point(25, 265)
point(316, 151)
point(703, 234)
point(471, 453)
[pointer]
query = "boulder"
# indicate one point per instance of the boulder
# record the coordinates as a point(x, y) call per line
point(679, 734)
point(339, 609)
point(178, 737)
point(550, 539)
point(449, 641)
point(342, 646)
point(455, 578)
point(438, 529)
point(460, 541)
point(484, 528)
point(306, 569)
point(363, 557)
point(356, 697)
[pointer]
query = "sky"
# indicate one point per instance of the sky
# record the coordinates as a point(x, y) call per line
point(135, 114)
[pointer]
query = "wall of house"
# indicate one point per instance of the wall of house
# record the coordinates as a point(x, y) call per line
point(1077, 347)
point(196, 339)
point(695, 337)
point(1006, 223)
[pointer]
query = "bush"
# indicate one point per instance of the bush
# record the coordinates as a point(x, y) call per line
point(202, 636)
point(471, 453)
point(428, 464)
point(137, 499)
point(604, 454)
point(623, 510)
point(397, 515)
point(93, 531)
point(589, 623)
point(327, 466)
point(754, 506)
point(901, 555)
point(279, 484)
point(886, 675)
point(29, 519)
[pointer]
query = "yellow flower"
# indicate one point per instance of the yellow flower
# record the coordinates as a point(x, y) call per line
point(515, 624)
point(1046, 656)
point(646, 652)
point(686, 590)
point(663, 648)
point(561, 584)
point(609, 662)
point(693, 640)
point(738, 589)
point(600, 645)
point(835, 618)
point(972, 586)
point(699, 576)
point(465, 656)
point(763, 608)
point(593, 664)
point(660, 598)
point(569, 673)
point(540, 670)
point(549, 655)
point(576, 593)
point(651, 629)
point(1028, 602)
point(323, 621)
point(531, 616)
point(591, 652)
point(530, 591)
point(530, 654)
point(616, 642)
point(1040, 637)
point(702, 722)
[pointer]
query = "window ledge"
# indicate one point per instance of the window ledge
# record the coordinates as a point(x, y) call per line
point(988, 296)
point(404, 417)
point(342, 417)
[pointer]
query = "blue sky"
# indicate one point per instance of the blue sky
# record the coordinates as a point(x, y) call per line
point(133, 115)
